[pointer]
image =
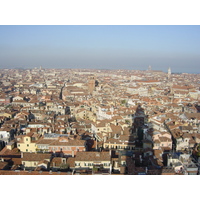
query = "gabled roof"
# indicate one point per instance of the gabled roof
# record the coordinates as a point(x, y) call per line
point(92, 156)
point(68, 143)
point(35, 156)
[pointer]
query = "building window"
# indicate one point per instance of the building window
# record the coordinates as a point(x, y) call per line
point(27, 145)
point(18, 145)
point(26, 150)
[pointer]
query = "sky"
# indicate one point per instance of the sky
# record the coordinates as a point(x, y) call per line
point(101, 47)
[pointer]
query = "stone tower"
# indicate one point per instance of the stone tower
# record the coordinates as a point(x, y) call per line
point(91, 83)
point(169, 73)
point(149, 68)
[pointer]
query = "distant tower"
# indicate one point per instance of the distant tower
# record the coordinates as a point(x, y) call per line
point(169, 73)
point(91, 83)
point(149, 68)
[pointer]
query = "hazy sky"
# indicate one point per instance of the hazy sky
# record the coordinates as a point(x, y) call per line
point(110, 47)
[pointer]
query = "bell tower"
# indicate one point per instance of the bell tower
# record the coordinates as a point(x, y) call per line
point(169, 73)
point(91, 83)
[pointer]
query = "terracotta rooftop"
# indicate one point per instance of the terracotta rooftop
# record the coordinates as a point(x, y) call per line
point(68, 143)
point(92, 156)
point(35, 156)
point(71, 161)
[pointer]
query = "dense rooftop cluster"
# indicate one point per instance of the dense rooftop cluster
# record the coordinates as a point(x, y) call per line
point(80, 121)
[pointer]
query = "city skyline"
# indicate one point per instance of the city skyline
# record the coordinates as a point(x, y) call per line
point(130, 47)
point(99, 122)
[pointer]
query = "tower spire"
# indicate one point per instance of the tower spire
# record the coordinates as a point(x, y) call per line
point(149, 68)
